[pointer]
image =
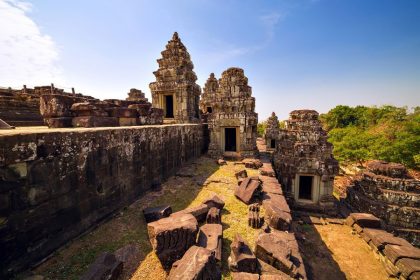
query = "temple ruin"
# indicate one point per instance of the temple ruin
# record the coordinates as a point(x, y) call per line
point(231, 116)
point(387, 191)
point(304, 162)
point(272, 132)
point(175, 89)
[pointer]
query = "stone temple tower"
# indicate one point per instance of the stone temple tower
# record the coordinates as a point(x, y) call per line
point(232, 120)
point(175, 89)
point(272, 132)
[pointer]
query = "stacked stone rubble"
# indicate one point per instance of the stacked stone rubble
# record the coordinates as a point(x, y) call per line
point(232, 106)
point(175, 77)
point(386, 191)
point(272, 131)
point(61, 109)
point(20, 107)
point(303, 150)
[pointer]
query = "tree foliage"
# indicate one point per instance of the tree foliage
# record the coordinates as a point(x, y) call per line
point(387, 133)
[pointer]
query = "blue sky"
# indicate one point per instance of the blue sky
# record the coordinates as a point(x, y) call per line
point(296, 53)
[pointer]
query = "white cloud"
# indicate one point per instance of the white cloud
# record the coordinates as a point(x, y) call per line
point(27, 56)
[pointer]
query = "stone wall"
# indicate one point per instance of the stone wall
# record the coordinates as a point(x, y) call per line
point(58, 183)
point(385, 191)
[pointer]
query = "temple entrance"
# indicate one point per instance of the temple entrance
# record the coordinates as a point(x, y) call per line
point(273, 143)
point(169, 106)
point(305, 187)
point(230, 139)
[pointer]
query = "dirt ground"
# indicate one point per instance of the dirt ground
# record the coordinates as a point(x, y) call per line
point(333, 252)
point(329, 252)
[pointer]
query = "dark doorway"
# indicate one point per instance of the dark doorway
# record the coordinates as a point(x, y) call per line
point(169, 106)
point(305, 187)
point(273, 143)
point(230, 139)
point(209, 110)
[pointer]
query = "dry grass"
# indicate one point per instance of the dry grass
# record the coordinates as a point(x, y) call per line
point(197, 181)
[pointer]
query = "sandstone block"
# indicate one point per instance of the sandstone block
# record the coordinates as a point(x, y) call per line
point(214, 201)
point(267, 170)
point(172, 236)
point(244, 276)
point(249, 188)
point(241, 257)
point(252, 163)
point(199, 212)
point(395, 252)
point(241, 174)
point(59, 122)
point(210, 237)
point(366, 220)
point(213, 216)
point(94, 121)
point(106, 266)
point(152, 214)
point(128, 121)
point(408, 267)
point(197, 263)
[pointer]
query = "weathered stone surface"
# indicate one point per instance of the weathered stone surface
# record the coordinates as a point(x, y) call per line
point(152, 214)
point(176, 77)
point(221, 162)
point(228, 104)
point(248, 189)
point(241, 257)
point(199, 212)
point(270, 185)
point(301, 150)
point(130, 256)
point(197, 263)
point(280, 249)
point(395, 252)
point(252, 163)
point(386, 191)
point(366, 220)
point(106, 266)
point(214, 201)
point(408, 266)
point(274, 277)
point(5, 125)
point(210, 237)
point(267, 170)
point(94, 121)
point(244, 276)
point(66, 182)
point(171, 237)
point(389, 169)
point(380, 240)
point(276, 217)
point(214, 216)
point(241, 174)
point(254, 219)
point(369, 233)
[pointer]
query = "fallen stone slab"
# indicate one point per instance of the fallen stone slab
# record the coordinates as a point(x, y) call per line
point(267, 170)
point(395, 252)
point(213, 216)
point(199, 212)
point(241, 174)
point(408, 267)
point(254, 219)
point(252, 163)
point(281, 250)
point(152, 214)
point(271, 186)
point(276, 217)
point(275, 251)
point(244, 276)
point(366, 220)
point(106, 266)
point(130, 256)
point(172, 236)
point(248, 189)
point(241, 258)
point(384, 238)
point(197, 263)
point(210, 237)
point(270, 272)
point(214, 201)
point(278, 200)
point(368, 233)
